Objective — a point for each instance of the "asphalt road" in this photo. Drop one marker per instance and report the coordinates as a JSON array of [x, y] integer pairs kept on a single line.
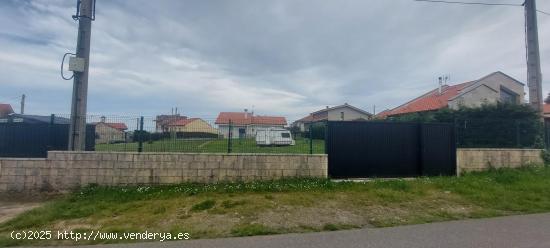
[[515, 231]]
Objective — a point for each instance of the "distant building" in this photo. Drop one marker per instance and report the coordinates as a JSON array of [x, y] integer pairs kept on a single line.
[[245, 124], [546, 114], [191, 125], [109, 132], [5, 110], [344, 112], [495, 87], [162, 121]]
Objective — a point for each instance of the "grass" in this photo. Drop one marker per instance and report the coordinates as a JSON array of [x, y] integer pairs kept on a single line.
[[215, 146], [204, 205], [284, 206]]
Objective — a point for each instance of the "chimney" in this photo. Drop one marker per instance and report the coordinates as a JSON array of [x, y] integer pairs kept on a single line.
[[440, 85], [327, 107], [245, 113], [103, 119]]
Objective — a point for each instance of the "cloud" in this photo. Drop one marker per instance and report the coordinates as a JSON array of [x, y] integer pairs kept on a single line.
[[279, 57]]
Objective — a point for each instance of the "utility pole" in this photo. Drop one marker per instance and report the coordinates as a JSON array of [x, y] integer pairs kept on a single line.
[[23, 104], [534, 74], [77, 130]]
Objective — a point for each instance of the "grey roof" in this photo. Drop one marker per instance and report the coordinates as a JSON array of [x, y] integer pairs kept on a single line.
[[345, 105]]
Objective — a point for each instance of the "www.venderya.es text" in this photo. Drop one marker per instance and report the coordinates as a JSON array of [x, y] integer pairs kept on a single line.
[[97, 235]]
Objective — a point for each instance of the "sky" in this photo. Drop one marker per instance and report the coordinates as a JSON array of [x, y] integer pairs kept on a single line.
[[276, 57]]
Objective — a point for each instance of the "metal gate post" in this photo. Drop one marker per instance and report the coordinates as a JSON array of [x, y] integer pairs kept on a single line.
[[50, 132], [230, 137], [140, 138], [310, 139]]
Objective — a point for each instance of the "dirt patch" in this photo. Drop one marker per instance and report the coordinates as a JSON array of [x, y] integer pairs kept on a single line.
[[315, 217], [9, 210]]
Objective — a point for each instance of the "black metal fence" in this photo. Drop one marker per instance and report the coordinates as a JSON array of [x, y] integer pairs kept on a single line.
[[175, 133], [163, 133], [28, 140], [500, 133]]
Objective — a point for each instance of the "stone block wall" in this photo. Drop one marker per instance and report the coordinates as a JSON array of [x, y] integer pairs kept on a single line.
[[478, 159], [67, 170]]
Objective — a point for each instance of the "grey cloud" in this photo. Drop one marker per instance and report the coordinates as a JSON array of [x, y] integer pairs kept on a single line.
[[284, 57]]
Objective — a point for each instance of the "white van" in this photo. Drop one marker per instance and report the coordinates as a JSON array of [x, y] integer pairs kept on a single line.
[[274, 137]]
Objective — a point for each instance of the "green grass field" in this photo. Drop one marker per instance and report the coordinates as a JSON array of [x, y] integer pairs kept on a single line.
[[214, 146], [285, 206]]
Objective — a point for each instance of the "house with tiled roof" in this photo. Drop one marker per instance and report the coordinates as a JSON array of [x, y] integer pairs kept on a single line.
[[546, 113], [5, 109], [191, 125], [110, 132], [493, 88], [246, 124], [344, 112]]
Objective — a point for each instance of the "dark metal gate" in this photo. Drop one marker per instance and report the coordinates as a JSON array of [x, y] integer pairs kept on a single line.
[[389, 149], [34, 140]]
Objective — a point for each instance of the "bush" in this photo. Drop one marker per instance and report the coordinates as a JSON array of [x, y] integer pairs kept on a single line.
[[318, 130], [545, 155], [491, 125]]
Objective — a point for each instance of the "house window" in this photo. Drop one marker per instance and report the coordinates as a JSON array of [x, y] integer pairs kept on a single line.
[[342, 115], [507, 96]]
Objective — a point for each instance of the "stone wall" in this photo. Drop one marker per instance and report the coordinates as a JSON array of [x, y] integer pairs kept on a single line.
[[478, 159], [63, 171]]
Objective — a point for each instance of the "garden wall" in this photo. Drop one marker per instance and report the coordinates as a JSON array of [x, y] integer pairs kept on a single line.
[[478, 159], [63, 171]]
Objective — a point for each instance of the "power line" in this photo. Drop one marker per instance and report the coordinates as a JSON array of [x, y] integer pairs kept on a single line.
[[9, 99], [479, 3], [470, 3]]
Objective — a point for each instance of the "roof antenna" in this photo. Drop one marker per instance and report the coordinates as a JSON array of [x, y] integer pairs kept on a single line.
[[440, 85]]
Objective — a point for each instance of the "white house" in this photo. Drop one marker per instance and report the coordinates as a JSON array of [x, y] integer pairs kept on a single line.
[[245, 124], [344, 112]]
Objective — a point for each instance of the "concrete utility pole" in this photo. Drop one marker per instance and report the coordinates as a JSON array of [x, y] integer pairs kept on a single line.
[[534, 74], [77, 130], [23, 104]]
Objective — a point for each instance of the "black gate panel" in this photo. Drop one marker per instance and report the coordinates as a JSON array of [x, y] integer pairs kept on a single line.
[[389, 149], [372, 149], [34, 140], [438, 149]]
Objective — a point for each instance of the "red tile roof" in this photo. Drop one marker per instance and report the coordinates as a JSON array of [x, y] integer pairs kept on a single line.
[[546, 108], [5, 109], [115, 125], [432, 100], [383, 114], [182, 122], [242, 118]]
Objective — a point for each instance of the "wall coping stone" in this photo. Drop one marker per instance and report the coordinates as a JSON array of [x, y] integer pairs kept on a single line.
[[498, 149], [23, 159], [185, 153]]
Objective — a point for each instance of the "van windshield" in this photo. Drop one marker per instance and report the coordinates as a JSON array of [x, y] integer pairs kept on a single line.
[[285, 135]]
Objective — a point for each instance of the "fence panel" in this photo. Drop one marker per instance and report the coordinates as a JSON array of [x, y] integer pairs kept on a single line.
[[372, 149], [389, 149], [34, 140], [438, 149]]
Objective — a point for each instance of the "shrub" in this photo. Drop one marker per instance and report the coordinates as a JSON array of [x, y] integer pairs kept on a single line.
[[545, 155]]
